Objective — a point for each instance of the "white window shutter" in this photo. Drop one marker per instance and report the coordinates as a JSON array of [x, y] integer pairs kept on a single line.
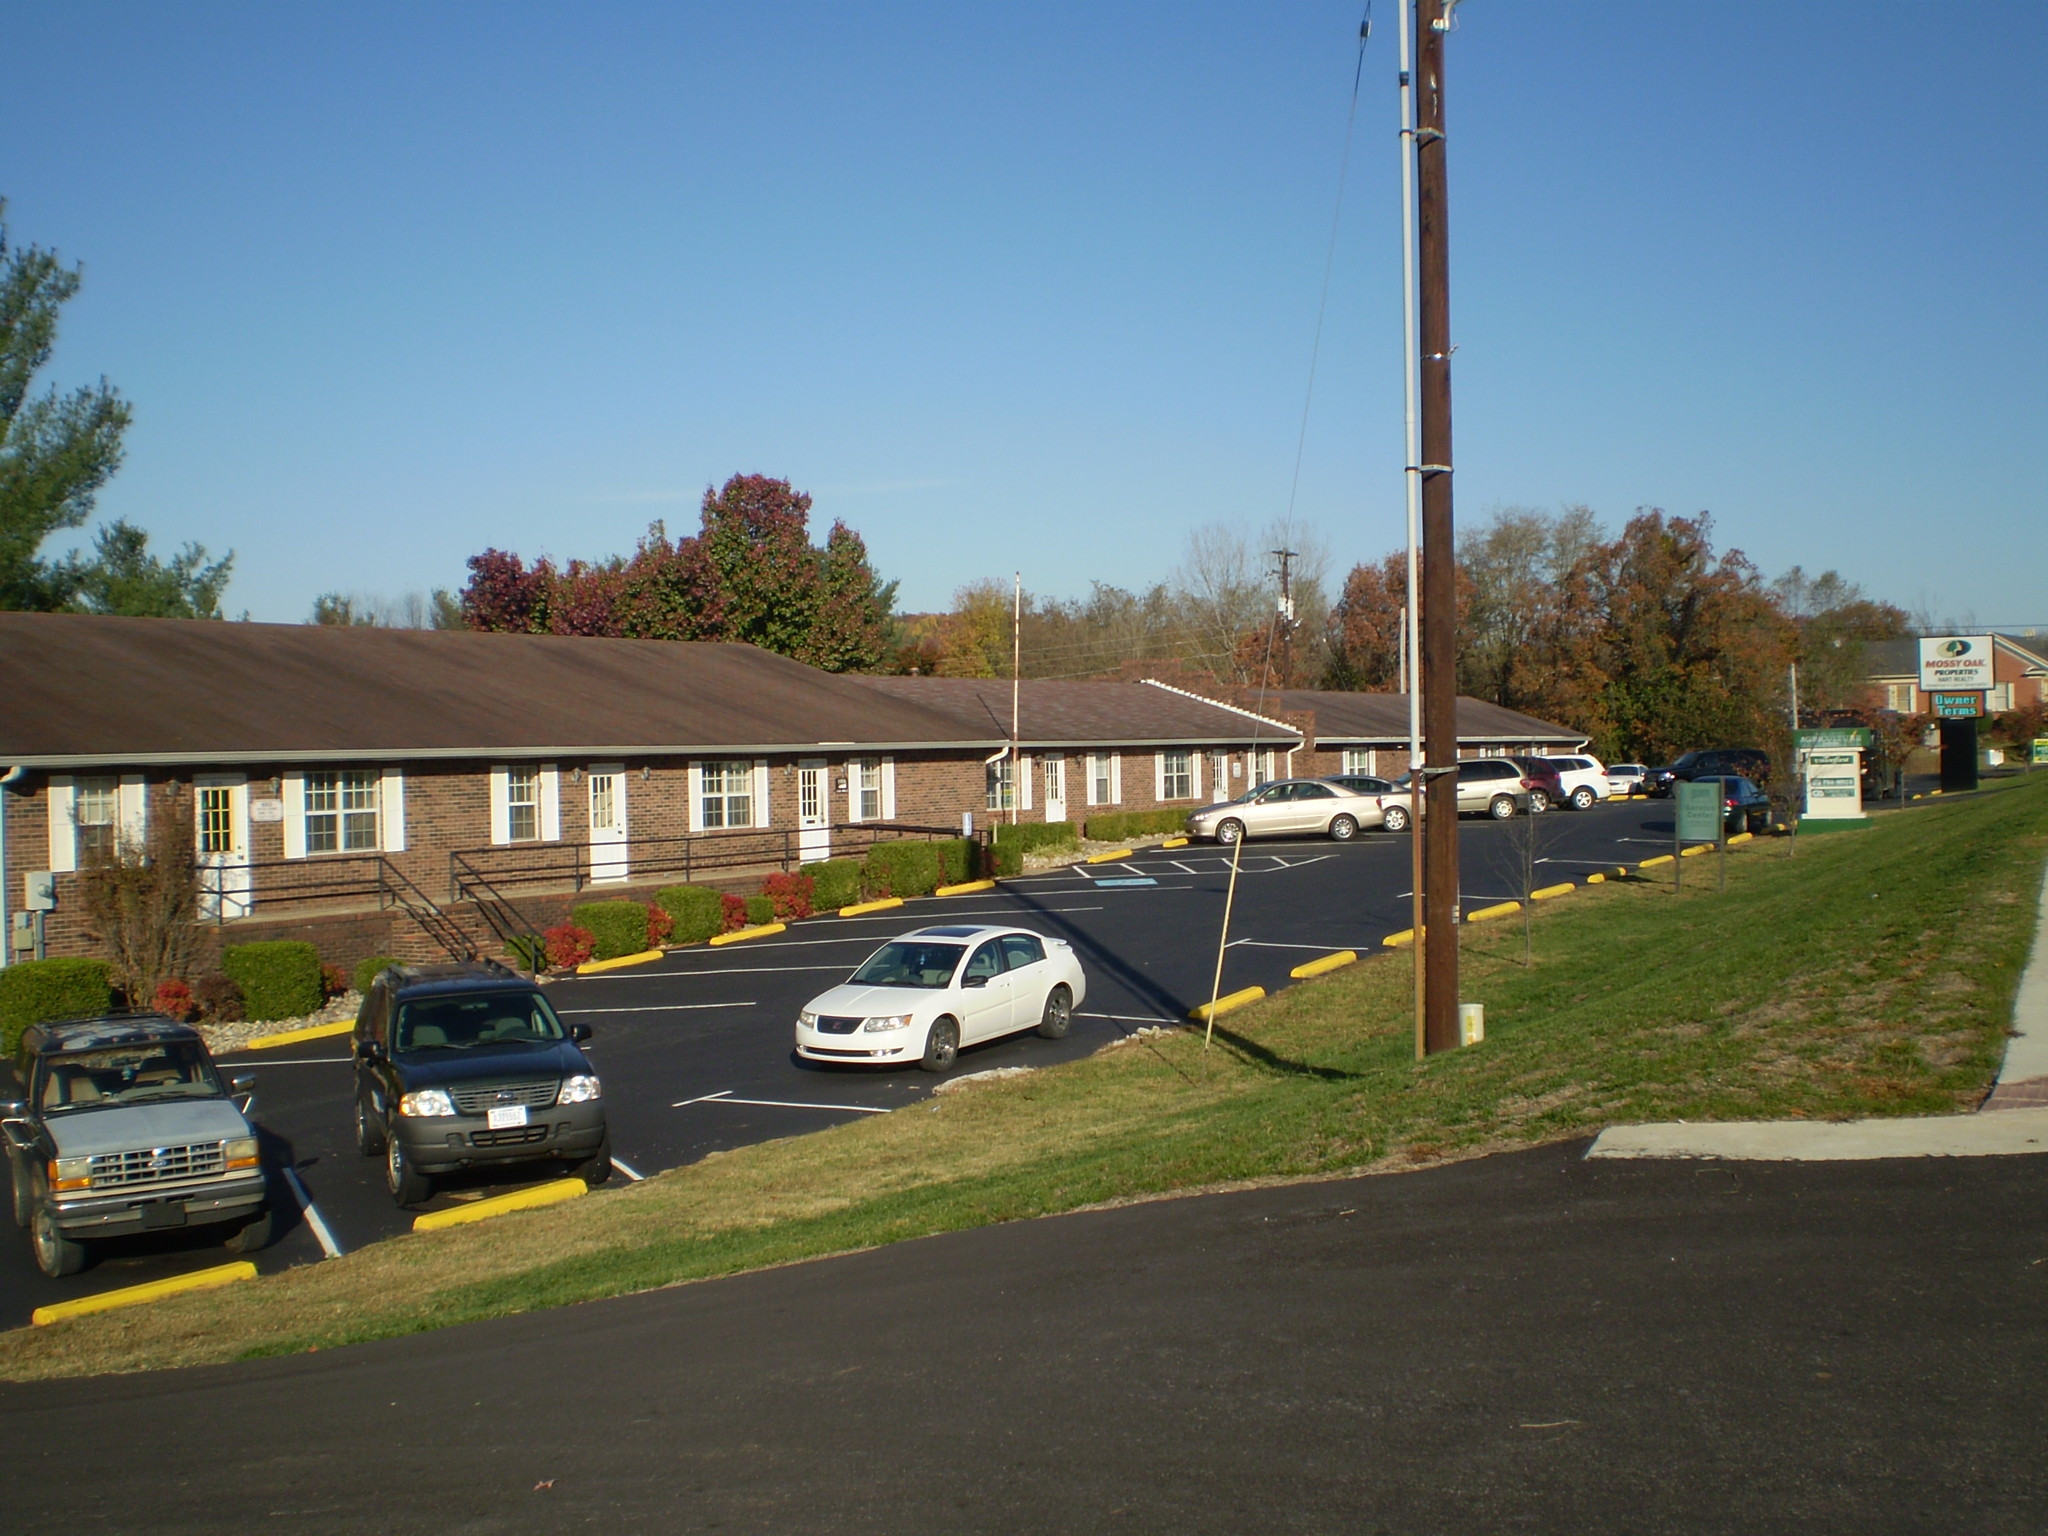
[[391, 809], [550, 803], [1195, 774], [134, 809], [293, 783], [1116, 778], [696, 797], [63, 828], [1026, 763], [888, 789], [1158, 775], [501, 816], [761, 817]]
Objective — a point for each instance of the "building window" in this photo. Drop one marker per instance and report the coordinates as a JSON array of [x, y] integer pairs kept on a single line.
[[867, 788], [1176, 775], [1102, 777], [727, 797], [216, 814], [96, 807], [1002, 784], [341, 812], [522, 805], [1997, 701]]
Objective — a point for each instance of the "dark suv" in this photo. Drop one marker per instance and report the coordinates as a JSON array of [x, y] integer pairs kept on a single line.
[[1716, 763], [125, 1126], [467, 1066]]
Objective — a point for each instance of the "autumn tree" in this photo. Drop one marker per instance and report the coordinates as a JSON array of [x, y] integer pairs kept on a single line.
[[1833, 624]]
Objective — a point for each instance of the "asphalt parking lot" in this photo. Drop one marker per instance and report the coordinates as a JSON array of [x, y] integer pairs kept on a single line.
[[695, 1050]]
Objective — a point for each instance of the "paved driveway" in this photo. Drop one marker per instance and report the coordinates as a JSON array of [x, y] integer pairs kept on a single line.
[[695, 1050]]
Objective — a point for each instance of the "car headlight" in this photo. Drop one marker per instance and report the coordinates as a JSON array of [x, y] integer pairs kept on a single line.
[[580, 1089], [240, 1152], [808, 1019], [427, 1102], [70, 1173], [887, 1021]]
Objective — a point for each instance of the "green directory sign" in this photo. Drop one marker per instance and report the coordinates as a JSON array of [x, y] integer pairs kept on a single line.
[[2041, 750], [1699, 810], [1842, 736]]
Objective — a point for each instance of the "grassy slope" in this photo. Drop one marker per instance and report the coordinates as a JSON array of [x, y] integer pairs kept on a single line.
[[1872, 974]]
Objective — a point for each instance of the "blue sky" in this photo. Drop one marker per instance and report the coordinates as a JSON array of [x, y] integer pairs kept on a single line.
[[1035, 286]]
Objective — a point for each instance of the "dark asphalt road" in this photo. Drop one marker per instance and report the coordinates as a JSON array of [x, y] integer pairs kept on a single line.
[[717, 1022], [1528, 1343]]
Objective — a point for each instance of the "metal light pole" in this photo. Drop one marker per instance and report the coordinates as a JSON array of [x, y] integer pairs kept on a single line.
[[1411, 649]]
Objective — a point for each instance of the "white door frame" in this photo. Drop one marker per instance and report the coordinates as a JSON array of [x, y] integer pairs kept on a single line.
[[234, 883], [607, 840], [1055, 787], [814, 810]]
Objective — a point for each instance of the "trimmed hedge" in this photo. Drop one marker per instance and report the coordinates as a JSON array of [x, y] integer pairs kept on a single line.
[[1029, 836], [696, 909], [620, 927], [369, 970], [1006, 857], [279, 978], [1118, 825], [760, 909], [38, 991], [903, 869], [835, 883]]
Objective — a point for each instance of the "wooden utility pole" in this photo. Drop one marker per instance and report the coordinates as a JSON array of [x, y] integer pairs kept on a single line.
[[1439, 557]]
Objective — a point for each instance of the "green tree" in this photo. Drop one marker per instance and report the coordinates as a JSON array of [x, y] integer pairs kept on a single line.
[[124, 577], [56, 449]]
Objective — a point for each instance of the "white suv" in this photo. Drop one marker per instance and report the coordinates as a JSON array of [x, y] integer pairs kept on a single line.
[[1584, 780]]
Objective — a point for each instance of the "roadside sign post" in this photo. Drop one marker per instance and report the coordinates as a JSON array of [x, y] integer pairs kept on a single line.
[[1721, 839], [1699, 806], [1831, 772]]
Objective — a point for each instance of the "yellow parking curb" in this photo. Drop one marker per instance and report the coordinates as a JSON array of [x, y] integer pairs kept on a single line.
[[132, 1295], [1224, 1004], [1325, 963], [1695, 850], [1104, 858], [1550, 891], [1596, 879], [294, 1036], [1499, 909], [965, 888], [1662, 858], [1396, 940], [551, 1193], [883, 905], [759, 931], [619, 962], [1175, 842], [1740, 837]]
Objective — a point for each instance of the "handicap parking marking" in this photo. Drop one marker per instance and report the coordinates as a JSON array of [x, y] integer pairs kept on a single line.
[[314, 1219], [1129, 880], [725, 1096], [632, 1173]]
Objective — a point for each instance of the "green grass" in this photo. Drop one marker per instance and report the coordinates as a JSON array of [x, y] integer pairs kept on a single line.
[[1862, 976]]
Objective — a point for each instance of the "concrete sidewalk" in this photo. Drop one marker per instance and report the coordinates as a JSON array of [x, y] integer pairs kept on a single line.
[[2017, 1122]]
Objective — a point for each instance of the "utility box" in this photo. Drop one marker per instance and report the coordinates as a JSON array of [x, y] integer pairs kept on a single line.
[[38, 891]]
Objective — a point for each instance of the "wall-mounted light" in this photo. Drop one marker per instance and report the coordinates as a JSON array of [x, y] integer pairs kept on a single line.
[[575, 775], [646, 773], [788, 770]]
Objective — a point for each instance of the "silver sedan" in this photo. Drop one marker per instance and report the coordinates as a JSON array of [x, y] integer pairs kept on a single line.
[[1288, 808]]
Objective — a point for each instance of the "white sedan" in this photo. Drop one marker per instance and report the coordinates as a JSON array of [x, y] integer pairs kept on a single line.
[[922, 997]]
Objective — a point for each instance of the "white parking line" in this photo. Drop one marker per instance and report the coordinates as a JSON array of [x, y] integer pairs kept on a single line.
[[293, 1061], [628, 1169], [314, 1220], [658, 1008], [1127, 1018], [724, 1096], [1269, 944], [735, 970]]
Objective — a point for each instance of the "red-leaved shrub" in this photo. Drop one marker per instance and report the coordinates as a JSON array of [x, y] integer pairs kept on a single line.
[[791, 895], [735, 910], [334, 980], [174, 1000], [569, 945], [660, 924]]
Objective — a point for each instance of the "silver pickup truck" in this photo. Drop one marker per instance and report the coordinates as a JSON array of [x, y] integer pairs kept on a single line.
[[125, 1126]]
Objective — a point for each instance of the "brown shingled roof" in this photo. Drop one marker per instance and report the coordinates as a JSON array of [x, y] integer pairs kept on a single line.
[[1347, 718], [78, 689], [1081, 714]]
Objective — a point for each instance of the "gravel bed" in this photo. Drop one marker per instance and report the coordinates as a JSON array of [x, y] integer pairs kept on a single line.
[[228, 1037]]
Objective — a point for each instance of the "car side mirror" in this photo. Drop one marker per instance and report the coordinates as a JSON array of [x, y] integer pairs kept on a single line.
[[973, 981], [370, 1050], [13, 1109], [19, 1131], [579, 1032]]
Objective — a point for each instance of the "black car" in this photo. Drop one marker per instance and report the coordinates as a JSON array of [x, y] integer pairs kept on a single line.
[[1712, 763], [1747, 808], [466, 1065]]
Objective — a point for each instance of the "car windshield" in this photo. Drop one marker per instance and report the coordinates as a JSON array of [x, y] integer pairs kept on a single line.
[[910, 963], [470, 1019], [129, 1074]]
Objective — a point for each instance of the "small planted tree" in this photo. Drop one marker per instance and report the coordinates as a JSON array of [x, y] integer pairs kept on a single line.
[[142, 901]]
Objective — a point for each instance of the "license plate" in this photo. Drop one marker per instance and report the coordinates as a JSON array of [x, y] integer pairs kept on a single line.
[[505, 1117], [164, 1213]]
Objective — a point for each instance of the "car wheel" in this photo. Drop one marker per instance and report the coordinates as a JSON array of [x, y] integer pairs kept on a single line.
[[1228, 832], [56, 1254], [1759, 821], [941, 1046], [1058, 1017], [1539, 801], [1583, 798], [1396, 819], [24, 1202], [1344, 828], [256, 1235], [369, 1132], [596, 1168], [407, 1184], [1503, 806]]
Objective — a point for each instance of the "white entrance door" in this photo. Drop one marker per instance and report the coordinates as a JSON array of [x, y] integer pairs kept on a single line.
[[1055, 789], [220, 831], [608, 822], [814, 823]]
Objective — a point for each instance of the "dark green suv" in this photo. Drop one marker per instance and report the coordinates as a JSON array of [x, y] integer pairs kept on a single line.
[[466, 1066]]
